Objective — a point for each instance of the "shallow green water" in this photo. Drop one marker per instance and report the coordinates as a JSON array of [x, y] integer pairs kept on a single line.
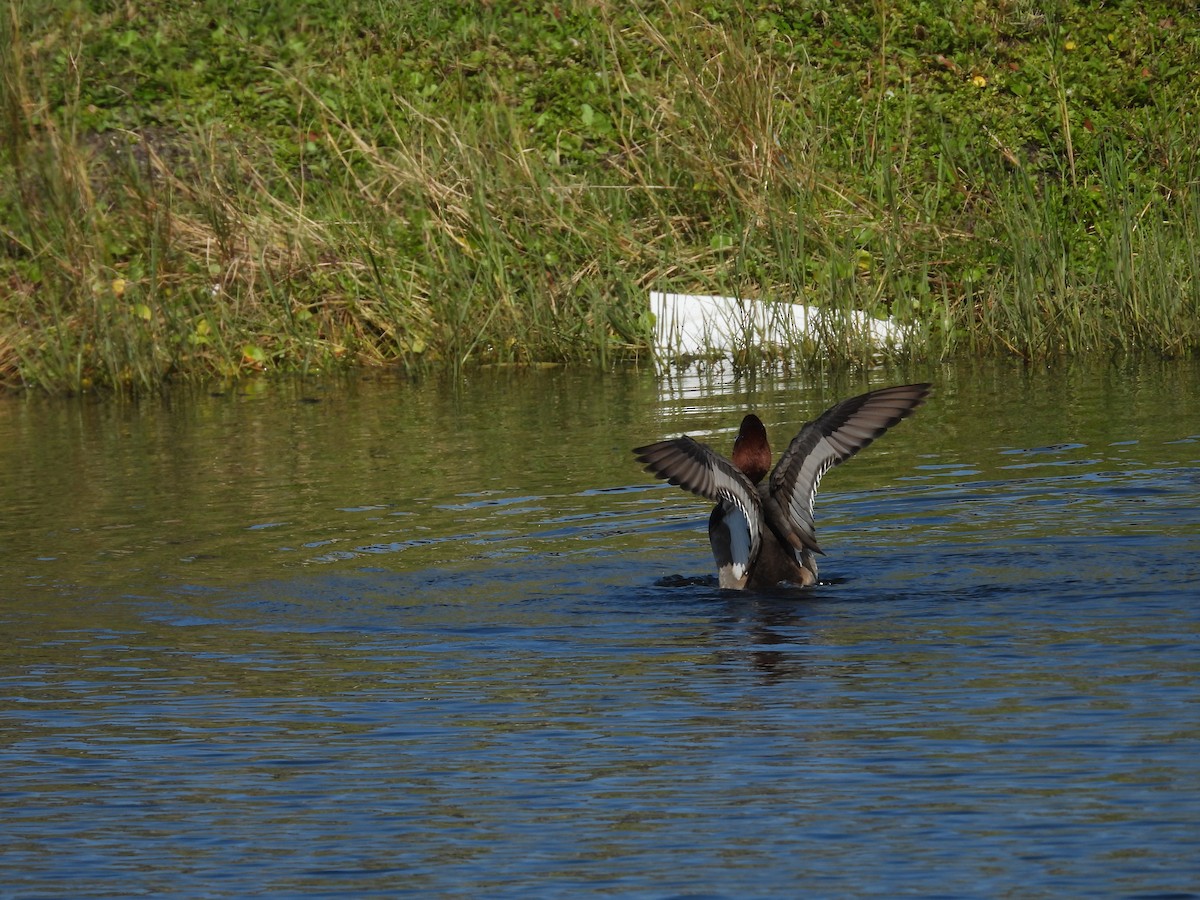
[[374, 638]]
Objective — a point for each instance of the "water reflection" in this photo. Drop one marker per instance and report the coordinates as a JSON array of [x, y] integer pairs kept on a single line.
[[447, 640]]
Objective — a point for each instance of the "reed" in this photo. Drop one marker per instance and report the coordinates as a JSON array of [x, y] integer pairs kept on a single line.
[[439, 187]]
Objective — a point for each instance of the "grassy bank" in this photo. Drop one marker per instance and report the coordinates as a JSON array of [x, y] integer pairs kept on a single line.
[[202, 188]]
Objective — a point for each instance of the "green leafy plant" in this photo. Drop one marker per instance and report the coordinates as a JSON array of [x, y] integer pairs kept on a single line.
[[189, 190]]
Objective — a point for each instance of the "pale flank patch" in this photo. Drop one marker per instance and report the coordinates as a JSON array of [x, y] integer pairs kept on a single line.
[[739, 541]]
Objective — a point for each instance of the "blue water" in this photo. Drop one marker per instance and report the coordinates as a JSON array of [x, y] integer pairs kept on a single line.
[[448, 640]]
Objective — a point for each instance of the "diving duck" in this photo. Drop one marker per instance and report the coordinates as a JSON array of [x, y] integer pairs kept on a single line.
[[763, 533]]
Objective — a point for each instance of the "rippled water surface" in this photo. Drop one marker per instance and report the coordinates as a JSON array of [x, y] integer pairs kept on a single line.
[[374, 638]]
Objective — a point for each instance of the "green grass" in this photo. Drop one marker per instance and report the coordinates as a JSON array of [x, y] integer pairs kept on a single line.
[[202, 189]]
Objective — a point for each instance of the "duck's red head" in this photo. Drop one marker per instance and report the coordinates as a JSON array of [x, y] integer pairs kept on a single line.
[[751, 452]]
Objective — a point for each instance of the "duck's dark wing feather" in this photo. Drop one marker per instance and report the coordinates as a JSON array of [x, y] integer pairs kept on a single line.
[[698, 468], [833, 437]]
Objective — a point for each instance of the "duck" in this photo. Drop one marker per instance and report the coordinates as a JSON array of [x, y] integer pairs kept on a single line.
[[762, 533]]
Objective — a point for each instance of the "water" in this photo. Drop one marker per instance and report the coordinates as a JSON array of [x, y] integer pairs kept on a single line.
[[370, 638]]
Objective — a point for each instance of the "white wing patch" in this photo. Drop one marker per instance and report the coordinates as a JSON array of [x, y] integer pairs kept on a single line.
[[835, 436]]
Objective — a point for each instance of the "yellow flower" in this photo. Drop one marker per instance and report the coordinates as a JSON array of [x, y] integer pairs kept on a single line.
[[118, 286], [1069, 45], [979, 81]]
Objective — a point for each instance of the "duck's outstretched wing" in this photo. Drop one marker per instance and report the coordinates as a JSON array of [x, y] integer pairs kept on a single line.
[[698, 468], [833, 437]]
